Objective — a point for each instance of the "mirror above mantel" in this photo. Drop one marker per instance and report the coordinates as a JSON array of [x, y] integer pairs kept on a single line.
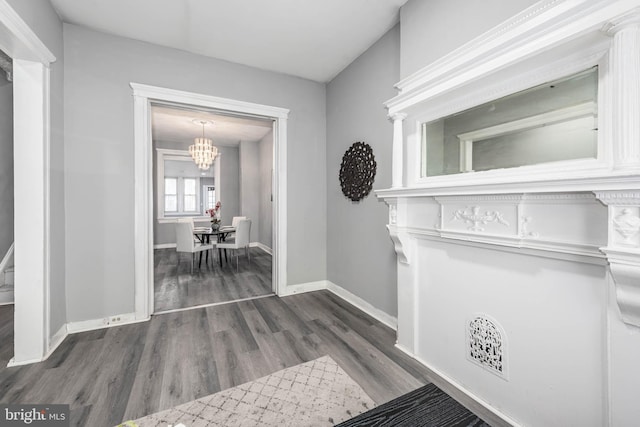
[[556, 121]]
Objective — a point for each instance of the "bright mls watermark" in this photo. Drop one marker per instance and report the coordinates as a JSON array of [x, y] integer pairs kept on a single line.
[[34, 415]]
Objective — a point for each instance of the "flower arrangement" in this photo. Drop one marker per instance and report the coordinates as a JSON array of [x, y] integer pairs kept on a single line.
[[214, 213]]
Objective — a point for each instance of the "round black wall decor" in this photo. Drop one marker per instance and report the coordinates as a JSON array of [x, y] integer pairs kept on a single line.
[[357, 171]]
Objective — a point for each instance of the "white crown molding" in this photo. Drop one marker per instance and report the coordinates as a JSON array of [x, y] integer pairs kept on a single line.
[[24, 43], [535, 30]]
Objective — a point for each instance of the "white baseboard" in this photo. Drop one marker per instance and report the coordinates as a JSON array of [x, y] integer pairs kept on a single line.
[[12, 363], [6, 258], [303, 287], [105, 322], [352, 299], [164, 246], [56, 340], [363, 305], [262, 246], [7, 297], [481, 408]]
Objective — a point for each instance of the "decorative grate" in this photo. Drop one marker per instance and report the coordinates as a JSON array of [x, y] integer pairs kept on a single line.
[[486, 345]]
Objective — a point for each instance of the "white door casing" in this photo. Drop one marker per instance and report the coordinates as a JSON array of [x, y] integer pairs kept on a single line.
[[144, 95]]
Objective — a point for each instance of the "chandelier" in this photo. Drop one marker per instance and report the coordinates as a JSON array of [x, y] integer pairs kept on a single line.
[[202, 150]]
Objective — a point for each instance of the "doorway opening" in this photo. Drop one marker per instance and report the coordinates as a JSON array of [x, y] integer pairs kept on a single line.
[[211, 198], [146, 98], [6, 209]]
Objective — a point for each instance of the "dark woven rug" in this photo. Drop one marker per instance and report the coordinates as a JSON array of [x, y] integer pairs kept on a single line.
[[426, 406]]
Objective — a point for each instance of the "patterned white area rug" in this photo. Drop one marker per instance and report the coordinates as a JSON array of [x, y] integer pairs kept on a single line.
[[316, 393]]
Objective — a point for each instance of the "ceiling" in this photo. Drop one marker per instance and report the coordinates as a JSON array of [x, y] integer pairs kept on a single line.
[[175, 124], [312, 39]]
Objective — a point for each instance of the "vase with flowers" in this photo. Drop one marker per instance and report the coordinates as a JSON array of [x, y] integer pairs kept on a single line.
[[214, 213]]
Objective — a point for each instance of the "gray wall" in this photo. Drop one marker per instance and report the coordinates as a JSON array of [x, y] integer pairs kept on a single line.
[[6, 164], [256, 162], [44, 21], [250, 185], [432, 29], [265, 219], [229, 187], [360, 254], [99, 158]]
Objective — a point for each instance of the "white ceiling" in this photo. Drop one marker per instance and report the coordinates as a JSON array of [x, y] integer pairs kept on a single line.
[[313, 39], [176, 124]]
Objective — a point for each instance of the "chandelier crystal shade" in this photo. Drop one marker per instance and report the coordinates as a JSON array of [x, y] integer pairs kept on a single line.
[[202, 150]]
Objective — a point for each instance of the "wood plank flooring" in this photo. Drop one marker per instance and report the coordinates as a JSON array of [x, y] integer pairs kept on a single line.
[[111, 375], [176, 288]]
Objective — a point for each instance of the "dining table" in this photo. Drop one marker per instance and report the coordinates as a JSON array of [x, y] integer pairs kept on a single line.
[[203, 234]]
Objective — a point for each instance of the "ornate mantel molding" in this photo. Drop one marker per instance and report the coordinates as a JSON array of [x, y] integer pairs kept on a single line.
[[623, 250]]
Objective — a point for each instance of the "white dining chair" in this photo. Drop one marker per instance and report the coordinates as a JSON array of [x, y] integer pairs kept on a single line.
[[240, 241], [185, 242], [234, 224]]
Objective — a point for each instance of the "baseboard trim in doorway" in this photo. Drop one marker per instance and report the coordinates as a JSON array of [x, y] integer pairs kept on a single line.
[[164, 246], [54, 343], [56, 340], [262, 246], [301, 288], [105, 322], [213, 304]]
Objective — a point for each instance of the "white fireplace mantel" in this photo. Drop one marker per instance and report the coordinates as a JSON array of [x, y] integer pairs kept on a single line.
[[545, 257], [549, 40]]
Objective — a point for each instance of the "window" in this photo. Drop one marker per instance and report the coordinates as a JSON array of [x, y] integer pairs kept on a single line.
[[189, 195], [209, 196], [171, 195], [180, 195]]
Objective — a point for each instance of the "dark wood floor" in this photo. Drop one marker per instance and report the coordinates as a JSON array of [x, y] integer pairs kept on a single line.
[[177, 288], [125, 372]]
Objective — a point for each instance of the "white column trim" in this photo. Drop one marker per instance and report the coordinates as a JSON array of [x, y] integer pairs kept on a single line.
[[398, 150], [624, 65], [31, 207]]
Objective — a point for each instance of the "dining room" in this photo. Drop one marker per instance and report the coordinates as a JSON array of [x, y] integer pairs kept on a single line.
[[213, 207]]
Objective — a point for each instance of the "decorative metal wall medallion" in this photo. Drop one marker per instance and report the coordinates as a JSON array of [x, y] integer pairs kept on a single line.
[[486, 345], [477, 219], [357, 171]]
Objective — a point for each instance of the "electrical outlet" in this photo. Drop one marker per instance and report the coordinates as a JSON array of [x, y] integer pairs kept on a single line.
[[115, 319]]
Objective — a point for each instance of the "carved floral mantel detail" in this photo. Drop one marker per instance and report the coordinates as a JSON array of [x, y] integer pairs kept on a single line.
[[627, 224], [524, 228], [477, 219]]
